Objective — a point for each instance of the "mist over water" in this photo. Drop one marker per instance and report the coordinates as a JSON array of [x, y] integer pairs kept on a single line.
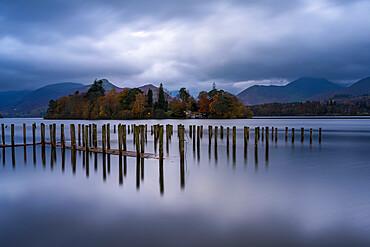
[[291, 194]]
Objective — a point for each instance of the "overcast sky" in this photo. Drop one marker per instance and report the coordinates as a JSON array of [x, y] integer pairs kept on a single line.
[[191, 43]]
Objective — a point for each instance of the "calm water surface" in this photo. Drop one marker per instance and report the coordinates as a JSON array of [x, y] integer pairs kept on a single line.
[[296, 194]]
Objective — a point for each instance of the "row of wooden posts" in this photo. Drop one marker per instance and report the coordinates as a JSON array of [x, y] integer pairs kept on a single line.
[[88, 139]]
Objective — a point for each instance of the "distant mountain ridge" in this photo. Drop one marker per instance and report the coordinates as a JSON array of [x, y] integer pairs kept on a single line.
[[296, 91], [35, 103]]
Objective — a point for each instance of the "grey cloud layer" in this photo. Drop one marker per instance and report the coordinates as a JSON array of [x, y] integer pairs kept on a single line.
[[182, 43]]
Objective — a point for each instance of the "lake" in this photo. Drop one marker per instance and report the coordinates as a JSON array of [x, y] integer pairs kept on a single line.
[[296, 194]]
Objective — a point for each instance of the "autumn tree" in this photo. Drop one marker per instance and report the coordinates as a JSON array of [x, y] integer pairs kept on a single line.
[[203, 102], [139, 106]]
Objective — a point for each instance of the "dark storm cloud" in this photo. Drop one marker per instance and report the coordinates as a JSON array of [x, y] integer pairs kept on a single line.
[[182, 43]]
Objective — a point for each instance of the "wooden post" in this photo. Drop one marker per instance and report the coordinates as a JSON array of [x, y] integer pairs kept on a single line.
[[124, 137], [24, 134], [292, 134], [216, 133], [12, 134], [255, 137], [114, 129], [119, 140], [51, 134], [302, 134], [142, 138], [161, 142], [95, 135], [3, 133], [54, 134], [103, 136], [272, 133], [73, 136], [108, 136], [62, 137], [136, 132], [234, 136], [86, 140], [267, 136], [43, 134], [222, 132], [190, 130], [83, 135], [263, 133], [209, 135], [276, 134], [79, 134], [286, 134], [34, 134], [227, 136], [310, 136], [245, 137], [247, 133], [320, 135], [181, 141], [201, 131]]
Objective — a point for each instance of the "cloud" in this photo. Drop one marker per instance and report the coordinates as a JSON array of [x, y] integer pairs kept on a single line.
[[182, 43]]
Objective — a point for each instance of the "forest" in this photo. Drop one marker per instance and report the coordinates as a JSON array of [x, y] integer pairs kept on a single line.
[[133, 103], [333, 107]]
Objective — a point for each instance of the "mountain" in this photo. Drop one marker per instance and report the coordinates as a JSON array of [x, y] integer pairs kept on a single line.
[[11, 97], [296, 91], [361, 87], [35, 103]]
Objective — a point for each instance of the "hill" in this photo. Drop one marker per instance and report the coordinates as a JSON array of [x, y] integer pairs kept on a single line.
[[35, 103], [359, 88], [9, 98], [296, 91]]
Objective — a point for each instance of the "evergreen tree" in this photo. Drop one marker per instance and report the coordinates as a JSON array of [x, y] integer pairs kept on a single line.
[[161, 103], [150, 98]]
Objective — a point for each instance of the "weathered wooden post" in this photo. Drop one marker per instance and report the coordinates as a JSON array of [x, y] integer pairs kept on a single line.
[[73, 136], [227, 137], [124, 138], [3, 133], [86, 141], [310, 136], [302, 134], [42, 129], [62, 137], [320, 135], [120, 141], [201, 131], [292, 134], [114, 129], [12, 134], [54, 135], [263, 133], [24, 134], [136, 132], [181, 141], [161, 142], [216, 133], [95, 134], [83, 135], [79, 134], [108, 136], [222, 132], [51, 134], [267, 136], [209, 135], [103, 137], [272, 133], [34, 134], [245, 137], [286, 134], [234, 137], [255, 137], [276, 134], [190, 130]]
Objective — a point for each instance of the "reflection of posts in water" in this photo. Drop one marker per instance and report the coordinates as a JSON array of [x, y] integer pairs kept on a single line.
[[227, 141], [34, 155], [267, 154], [13, 157], [245, 154], [120, 176], [87, 164], [3, 156], [25, 154], [73, 161], [63, 152], [104, 168], [52, 158], [182, 157], [256, 156], [161, 177], [43, 158]]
